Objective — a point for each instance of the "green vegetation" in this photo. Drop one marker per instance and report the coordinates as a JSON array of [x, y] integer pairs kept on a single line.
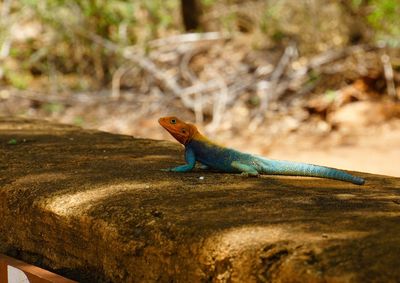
[[62, 29], [78, 121], [12, 142], [385, 20], [53, 107]]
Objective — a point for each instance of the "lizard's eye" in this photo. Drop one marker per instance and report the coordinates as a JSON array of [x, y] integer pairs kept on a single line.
[[173, 121]]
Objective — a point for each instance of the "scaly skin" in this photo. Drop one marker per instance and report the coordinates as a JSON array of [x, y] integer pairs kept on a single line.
[[199, 148]]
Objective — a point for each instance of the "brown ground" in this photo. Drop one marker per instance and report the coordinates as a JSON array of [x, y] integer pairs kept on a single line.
[[95, 207]]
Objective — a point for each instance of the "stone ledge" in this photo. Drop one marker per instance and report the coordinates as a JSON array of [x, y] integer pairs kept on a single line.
[[95, 207]]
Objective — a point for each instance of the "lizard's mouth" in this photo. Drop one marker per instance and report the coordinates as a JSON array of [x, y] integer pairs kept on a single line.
[[183, 139]]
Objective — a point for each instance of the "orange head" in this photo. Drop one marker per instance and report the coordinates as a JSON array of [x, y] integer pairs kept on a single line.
[[180, 130]]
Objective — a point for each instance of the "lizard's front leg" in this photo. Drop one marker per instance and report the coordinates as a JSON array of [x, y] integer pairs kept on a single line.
[[190, 160], [247, 170]]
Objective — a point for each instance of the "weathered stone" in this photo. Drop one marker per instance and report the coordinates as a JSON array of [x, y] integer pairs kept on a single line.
[[95, 207]]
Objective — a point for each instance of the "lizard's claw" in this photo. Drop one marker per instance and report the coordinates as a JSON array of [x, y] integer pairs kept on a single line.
[[247, 174]]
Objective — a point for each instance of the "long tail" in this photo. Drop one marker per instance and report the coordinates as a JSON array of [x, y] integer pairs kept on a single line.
[[281, 167]]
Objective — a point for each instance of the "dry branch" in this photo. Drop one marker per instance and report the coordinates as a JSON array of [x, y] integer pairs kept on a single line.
[[388, 72], [168, 63], [173, 41], [116, 80], [271, 89]]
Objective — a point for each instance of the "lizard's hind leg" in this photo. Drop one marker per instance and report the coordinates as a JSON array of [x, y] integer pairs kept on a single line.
[[203, 166], [247, 170]]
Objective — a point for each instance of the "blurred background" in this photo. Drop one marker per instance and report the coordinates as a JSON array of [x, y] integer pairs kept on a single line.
[[316, 81]]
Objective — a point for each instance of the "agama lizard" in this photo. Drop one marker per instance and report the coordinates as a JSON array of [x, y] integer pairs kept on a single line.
[[209, 154]]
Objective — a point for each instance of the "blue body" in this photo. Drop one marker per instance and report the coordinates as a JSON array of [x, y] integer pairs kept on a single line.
[[233, 161], [217, 157]]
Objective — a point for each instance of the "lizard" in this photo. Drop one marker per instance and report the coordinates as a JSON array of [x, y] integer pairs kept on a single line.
[[199, 148]]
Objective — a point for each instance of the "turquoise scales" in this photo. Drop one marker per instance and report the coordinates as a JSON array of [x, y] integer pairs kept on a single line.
[[200, 149]]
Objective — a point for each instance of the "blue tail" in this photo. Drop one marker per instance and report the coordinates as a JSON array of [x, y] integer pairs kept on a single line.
[[281, 167]]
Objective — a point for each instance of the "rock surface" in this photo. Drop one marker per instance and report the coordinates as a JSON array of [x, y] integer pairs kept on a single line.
[[95, 207]]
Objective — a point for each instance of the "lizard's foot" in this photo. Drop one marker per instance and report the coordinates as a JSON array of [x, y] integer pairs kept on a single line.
[[204, 167], [246, 170], [247, 174]]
